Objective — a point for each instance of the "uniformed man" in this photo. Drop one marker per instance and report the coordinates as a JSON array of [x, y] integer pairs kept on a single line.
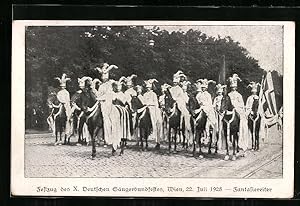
[[63, 97], [205, 101], [150, 99], [238, 103], [178, 95], [105, 95], [217, 107]]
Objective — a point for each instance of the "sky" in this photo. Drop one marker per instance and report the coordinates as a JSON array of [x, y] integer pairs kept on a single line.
[[264, 43]]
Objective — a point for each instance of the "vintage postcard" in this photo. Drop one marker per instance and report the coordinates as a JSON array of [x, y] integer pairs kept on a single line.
[[153, 109]]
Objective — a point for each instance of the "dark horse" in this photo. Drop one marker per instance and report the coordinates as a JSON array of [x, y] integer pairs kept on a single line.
[[143, 121], [57, 116], [254, 119], [78, 116], [173, 116], [94, 119], [199, 120], [231, 123]]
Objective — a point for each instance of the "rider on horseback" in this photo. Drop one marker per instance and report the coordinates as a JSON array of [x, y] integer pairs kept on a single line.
[[238, 103], [205, 101], [63, 97], [252, 97], [178, 95]]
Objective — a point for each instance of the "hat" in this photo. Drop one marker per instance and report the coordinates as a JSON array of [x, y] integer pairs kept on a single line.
[[233, 80], [105, 69], [179, 76], [139, 87], [120, 81], [165, 86], [81, 81], [150, 82], [203, 83], [253, 86], [63, 80], [220, 88], [129, 79]]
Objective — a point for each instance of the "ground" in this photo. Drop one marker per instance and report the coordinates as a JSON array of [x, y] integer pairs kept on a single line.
[[43, 159]]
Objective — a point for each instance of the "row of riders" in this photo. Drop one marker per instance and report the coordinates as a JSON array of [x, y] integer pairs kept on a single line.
[[101, 108]]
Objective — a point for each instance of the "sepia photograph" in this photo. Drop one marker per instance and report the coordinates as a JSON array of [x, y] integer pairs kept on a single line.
[[205, 105]]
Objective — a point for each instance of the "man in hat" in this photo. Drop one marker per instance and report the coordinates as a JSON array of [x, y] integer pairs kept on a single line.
[[205, 101], [178, 95], [105, 95], [63, 97], [150, 99], [252, 97], [238, 103], [217, 107]]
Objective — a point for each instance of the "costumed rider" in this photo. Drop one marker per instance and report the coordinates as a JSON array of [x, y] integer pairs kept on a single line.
[[252, 97], [121, 101], [217, 106], [105, 95], [151, 101], [161, 101], [205, 101], [63, 97], [178, 95], [238, 103], [130, 92]]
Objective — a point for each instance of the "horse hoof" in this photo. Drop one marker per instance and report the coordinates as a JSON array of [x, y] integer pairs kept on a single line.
[[56, 143], [201, 156], [226, 157], [105, 146], [233, 158], [252, 150], [92, 157], [78, 144]]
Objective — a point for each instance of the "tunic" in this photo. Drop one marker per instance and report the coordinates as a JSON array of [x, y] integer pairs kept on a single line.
[[181, 99], [249, 103], [238, 103], [150, 99], [217, 107], [63, 97], [111, 115]]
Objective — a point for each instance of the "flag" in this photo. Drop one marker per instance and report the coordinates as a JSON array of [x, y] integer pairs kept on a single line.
[[267, 101]]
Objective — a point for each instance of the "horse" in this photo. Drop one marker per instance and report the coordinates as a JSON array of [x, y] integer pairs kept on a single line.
[[143, 121], [254, 119], [93, 115], [78, 117], [199, 122], [57, 118], [231, 123], [173, 116]]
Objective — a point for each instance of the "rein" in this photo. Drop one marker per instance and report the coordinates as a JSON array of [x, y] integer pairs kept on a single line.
[[92, 110], [254, 123], [228, 122], [59, 110]]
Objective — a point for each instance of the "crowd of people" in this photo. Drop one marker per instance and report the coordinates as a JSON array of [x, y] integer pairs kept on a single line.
[[109, 91]]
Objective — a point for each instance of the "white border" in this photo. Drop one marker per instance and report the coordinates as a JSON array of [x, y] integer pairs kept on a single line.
[[281, 188]]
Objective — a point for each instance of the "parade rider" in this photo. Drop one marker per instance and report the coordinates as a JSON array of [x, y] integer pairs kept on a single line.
[[217, 106], [205, 101], [63, 97], [252, 97], [150, 99], [130, 92], [177, 94], [238, 103], [161, 101], [105, 95]]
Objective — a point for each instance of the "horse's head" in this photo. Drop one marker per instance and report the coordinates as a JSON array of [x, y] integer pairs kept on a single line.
[[169, 102], [226, 104], [87, 99], [255, 104], [136, 103]]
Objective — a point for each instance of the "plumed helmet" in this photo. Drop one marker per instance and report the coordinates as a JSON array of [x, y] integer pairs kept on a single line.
[[253, 86], [63, 80], [233, 80], [165, 86], [149, 83], [220, 88], [129, 79], [82, 81], [179, 76]]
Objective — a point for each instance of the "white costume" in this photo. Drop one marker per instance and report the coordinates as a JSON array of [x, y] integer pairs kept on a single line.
[[238, 103], [63, 97], [111, 116], [182, 99], [150, 99]]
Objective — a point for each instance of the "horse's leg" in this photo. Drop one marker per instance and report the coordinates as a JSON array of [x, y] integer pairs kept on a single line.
[[93, 138], [226, 144], [257, 137], [56, 133], [147, 133], [142, 134], [122, 146], [210, 140], [200, 150], [234, 145], [169, 139], [175, 139]]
